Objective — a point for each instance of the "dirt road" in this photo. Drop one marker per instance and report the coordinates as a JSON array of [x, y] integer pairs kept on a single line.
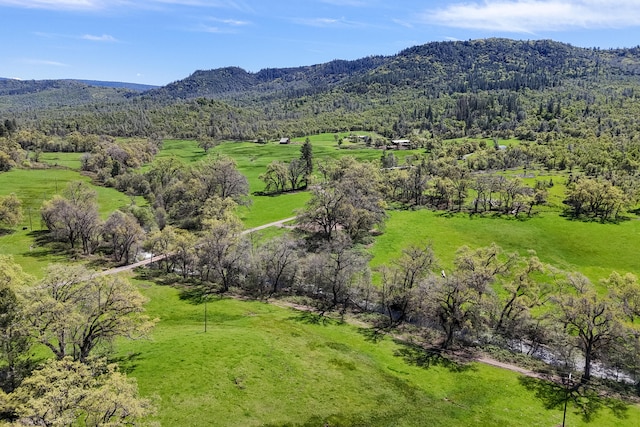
[[147, 261]]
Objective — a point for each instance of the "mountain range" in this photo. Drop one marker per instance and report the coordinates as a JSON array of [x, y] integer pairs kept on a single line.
[[447, 88]]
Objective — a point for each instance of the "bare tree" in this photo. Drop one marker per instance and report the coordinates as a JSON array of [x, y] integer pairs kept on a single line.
[[222, 255], [324, 211], [400, 280], [452, 303], [524, 291], [124, 233], [330, 274], [74, 216], [277, 264], [219, 176]]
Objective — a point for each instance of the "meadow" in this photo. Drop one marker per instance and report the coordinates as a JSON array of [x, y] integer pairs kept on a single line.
[[261, 364], [33, 186], [592, 248]]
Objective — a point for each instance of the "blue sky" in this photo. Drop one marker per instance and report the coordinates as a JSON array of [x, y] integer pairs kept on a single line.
[[160, 41]]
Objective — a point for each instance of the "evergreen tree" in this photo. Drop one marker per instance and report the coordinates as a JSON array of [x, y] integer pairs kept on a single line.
[[306, 155]]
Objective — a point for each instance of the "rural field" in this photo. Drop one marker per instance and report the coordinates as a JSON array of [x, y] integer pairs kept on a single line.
[[261, 364]]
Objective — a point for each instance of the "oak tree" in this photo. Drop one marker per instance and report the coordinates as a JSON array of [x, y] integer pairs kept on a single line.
[[72, 311]]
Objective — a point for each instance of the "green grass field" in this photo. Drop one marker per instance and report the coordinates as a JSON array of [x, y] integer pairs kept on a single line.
[[592, 248], [252, 158], [67, 160], [261, 365], [33, 186]]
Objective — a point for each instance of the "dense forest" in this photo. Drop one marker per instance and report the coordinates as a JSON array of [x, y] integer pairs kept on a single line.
[[496, 87]]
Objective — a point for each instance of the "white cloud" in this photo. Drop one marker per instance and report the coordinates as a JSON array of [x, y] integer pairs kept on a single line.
[[44, 62], [111, 4], [56, 4], [402, 23], [327, 22], [102, 38], [230, 22], [352, 3], [530, 16]]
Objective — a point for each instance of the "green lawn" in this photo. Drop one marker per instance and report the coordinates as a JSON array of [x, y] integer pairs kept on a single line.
[[261, 365]]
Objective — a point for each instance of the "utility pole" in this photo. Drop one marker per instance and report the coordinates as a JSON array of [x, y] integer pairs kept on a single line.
[[566, 399], [206, 297]]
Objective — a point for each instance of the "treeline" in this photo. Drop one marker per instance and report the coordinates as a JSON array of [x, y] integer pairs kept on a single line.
[[501, 88], [75, 315], [186, 197], [465, 176], [487, 297]]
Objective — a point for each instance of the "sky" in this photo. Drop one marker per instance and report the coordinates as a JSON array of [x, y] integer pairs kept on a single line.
[[160, 41]]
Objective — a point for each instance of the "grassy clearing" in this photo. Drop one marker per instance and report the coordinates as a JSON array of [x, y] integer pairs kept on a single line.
[[266, 209], [259, 364], [184, 150], [66, 160], [589, 247], [252, 158], [33, 186]]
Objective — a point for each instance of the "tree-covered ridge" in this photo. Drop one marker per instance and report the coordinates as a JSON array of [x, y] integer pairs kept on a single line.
[[36, 95], [439, 67], [496, 87]]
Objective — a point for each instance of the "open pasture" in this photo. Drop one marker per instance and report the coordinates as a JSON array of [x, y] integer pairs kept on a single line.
[[33, 186], [252, 158], [261, 365], [59, 159], [592, 248]]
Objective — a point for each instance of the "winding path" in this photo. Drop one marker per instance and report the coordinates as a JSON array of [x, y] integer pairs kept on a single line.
[[482, 359], [147, 261]]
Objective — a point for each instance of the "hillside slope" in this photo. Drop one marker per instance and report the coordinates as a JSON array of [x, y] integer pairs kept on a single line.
[[500, 87]]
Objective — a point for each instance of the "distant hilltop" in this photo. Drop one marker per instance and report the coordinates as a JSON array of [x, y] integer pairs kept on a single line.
[[138, 87]]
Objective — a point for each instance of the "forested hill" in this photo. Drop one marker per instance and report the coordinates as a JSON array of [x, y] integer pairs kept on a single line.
[[18, 95], [499, 87], [224, 82], [439, 66]]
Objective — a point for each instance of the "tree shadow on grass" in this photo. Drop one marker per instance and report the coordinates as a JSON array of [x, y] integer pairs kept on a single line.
[[45, 246], [6, 231], [374, 334], [311, 318], [127, 364], [583, 400], [426, 358], [199, 294]]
